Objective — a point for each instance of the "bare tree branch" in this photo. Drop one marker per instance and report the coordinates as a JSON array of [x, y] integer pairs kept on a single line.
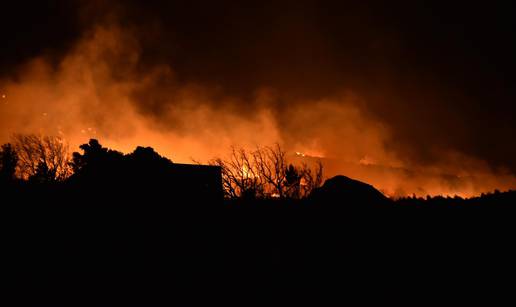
[[265, 172], [45, 157]]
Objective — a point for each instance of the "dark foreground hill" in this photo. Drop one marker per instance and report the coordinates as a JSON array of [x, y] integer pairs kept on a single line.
[[66, 247], [349, 192]]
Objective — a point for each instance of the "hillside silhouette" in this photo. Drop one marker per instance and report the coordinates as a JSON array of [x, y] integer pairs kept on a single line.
[[138, 229], [342, 189]]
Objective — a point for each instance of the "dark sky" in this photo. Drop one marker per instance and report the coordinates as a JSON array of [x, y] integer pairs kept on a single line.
[[441, 74]]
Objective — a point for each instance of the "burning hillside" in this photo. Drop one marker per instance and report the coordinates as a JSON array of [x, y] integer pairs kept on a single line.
[[130, 82]]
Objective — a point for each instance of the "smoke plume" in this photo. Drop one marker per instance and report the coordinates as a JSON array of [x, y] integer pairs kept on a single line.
[[108, 86]]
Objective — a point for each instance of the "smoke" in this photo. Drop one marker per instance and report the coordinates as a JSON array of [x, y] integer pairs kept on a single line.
[[105, 87], [99, 90]]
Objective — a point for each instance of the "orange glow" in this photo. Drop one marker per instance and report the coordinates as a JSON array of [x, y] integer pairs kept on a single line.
[[85, 97], [248, 173]]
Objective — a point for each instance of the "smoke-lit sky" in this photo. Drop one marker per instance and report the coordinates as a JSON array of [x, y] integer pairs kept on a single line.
[[420, 84]]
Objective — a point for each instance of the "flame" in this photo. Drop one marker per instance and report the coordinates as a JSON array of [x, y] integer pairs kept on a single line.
[[98, 90], [248, 173]]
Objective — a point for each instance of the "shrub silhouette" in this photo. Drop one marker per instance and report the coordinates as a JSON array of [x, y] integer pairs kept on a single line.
[[8, 162]]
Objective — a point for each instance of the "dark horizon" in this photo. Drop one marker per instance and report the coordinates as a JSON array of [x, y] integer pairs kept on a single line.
[[136, 229]]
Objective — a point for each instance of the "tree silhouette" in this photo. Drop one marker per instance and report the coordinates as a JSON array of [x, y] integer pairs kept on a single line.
[[239, 175], [43, 174], [264, 173], [8, 162], [293, 181], [148, 158], [44, 158], [97, 163], [270, 163], [311, 178], [94, 157]]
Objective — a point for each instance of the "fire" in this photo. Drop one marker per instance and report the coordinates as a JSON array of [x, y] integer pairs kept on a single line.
[[248, 173], [84, 97]]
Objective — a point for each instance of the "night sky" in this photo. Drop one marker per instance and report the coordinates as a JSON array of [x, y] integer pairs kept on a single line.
[[440, 75]]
